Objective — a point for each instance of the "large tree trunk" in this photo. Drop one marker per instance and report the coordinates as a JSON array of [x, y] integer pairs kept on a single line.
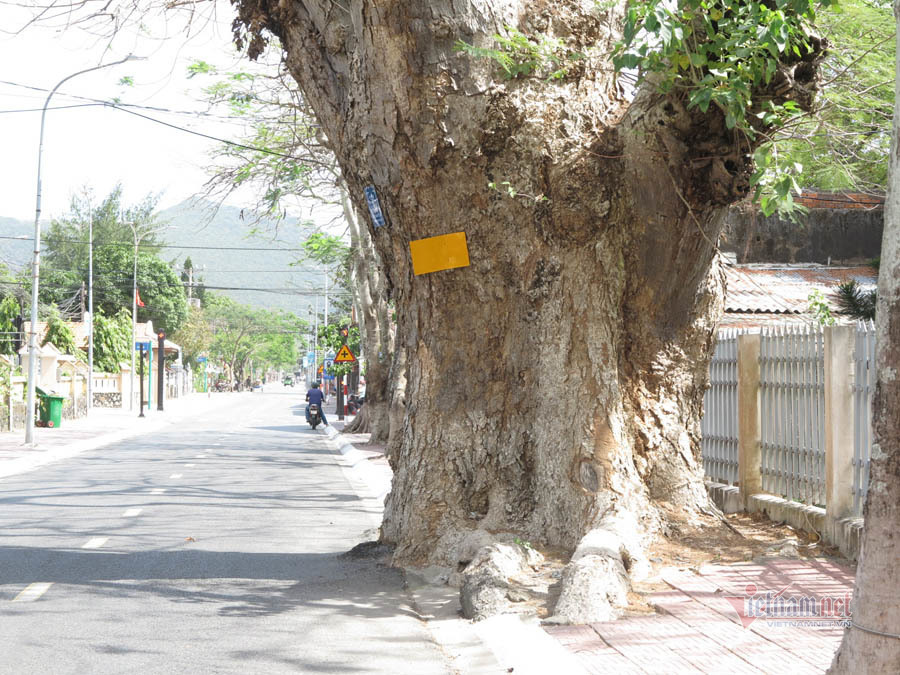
[[556, 383], [872, 643]]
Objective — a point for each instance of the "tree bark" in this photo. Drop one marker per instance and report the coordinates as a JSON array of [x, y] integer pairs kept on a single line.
[[872, 643], [371, 293], [556, 381]]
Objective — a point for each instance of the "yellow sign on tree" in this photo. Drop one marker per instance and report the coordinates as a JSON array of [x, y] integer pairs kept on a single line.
[[344, 355], [434, 254]]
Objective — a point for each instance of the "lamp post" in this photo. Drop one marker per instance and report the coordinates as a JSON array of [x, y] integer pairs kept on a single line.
[[35, 266]]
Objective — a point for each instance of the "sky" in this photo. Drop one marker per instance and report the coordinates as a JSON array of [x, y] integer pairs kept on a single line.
[[101, 146]]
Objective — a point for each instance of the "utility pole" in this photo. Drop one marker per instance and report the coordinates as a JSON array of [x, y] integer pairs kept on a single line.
[[90, 387], [190, 284]]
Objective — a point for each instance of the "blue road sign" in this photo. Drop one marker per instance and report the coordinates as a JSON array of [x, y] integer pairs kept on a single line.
[[137, 345], [374, 206], [202, 359]]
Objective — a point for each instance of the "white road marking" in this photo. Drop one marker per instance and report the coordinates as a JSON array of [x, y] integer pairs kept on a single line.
[[131, 513], [176, 475], [96, 542], [189, 465], [157, 491], [32, 592], [200, 457]]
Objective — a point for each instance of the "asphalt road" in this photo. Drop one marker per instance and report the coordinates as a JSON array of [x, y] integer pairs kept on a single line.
[[213, 548]]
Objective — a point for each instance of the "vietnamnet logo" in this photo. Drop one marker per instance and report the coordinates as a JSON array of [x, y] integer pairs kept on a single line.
[[777, 608]]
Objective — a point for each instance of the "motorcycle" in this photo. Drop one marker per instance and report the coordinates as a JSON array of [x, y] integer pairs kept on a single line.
[[315, 418]]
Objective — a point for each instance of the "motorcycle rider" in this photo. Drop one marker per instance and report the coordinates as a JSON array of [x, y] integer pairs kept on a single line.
[[317, 397]]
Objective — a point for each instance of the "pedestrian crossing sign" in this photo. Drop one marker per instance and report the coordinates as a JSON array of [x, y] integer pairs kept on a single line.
[[344, 355]]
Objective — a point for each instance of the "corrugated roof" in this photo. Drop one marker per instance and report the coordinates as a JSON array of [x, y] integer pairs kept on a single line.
[[785, 289]]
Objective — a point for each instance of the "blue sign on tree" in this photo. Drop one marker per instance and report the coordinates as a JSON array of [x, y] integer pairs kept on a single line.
[[374, 206]]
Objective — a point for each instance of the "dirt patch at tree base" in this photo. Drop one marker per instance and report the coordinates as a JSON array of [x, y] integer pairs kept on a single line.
[[746, 537]]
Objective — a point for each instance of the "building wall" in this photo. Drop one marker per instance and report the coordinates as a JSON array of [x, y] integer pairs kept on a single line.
[[848, 230]]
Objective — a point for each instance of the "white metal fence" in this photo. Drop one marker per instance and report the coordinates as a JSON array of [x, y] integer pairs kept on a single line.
[[792, 413], [792, 423], [863, 388], [719, 425]]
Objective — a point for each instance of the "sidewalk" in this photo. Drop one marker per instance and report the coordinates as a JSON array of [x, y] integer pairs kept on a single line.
[[699, 621], [102, 427]]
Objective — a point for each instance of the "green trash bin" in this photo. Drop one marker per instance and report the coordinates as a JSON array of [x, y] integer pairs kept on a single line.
[[50, 408]]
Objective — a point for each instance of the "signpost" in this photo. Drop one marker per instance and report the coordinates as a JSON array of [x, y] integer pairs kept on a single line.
[[142, 347], [344, 355], [204, 360], [161, 381]]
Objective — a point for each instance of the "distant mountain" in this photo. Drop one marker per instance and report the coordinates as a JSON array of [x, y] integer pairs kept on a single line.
[[15, 254], [219, 233], [217, 240]]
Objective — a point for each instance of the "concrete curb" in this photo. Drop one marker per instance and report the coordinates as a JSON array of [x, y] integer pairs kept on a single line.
[[845, 533], [359, 463], [502, 644]]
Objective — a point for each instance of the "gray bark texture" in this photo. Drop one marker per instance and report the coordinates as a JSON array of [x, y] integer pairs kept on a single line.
[[557, 381], [872, 644], [377, 333]]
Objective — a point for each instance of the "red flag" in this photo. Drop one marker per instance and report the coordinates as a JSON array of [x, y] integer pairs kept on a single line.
[[137, 297]]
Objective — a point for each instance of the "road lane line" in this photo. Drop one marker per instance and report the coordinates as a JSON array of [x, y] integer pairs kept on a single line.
[[32, 592], [96, 542], [131, 513], [189, 465], [157, 491], [200, 457], [176, 475]]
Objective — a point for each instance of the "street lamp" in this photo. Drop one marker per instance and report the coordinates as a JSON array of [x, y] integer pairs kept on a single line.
[[35, 266]]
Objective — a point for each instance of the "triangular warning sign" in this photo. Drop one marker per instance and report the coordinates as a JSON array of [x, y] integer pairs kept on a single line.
[[344, 355]]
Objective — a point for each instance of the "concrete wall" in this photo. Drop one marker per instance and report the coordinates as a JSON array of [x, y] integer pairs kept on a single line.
[[107, 399], [18, 416], [844, 234]]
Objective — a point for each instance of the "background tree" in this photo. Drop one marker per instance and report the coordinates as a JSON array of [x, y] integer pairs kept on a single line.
[[195, 335], [66, 270], [241, 333], [60, 334], [843, 141], [9, 311], [112, 340]]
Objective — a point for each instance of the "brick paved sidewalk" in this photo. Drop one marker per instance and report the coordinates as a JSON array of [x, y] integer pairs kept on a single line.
[[698, 630]]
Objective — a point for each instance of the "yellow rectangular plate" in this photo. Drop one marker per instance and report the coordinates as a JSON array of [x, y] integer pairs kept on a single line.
[[444, 252]]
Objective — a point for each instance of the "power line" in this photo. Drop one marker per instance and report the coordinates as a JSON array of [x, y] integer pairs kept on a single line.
[[130, 244], [101, 285]]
